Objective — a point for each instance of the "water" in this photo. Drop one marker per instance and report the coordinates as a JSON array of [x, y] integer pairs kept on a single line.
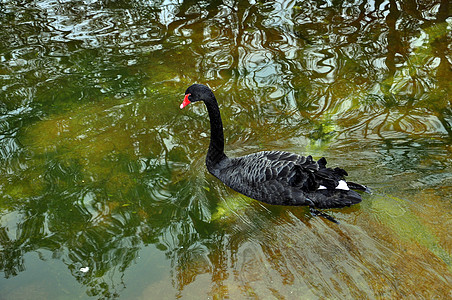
[[103, 188]]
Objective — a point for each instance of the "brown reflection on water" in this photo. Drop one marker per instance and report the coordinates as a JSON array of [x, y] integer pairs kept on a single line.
[[286, 257]]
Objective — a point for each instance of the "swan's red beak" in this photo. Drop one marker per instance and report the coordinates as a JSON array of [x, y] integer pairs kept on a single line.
[[186, 101]]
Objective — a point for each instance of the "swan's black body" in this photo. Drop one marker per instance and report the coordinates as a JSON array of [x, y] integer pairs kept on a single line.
[[273, 177]]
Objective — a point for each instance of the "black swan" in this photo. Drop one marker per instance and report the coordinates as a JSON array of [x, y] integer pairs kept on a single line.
[[273, 177]]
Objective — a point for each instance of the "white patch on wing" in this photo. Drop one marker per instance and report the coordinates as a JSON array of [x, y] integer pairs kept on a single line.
[[321, 187], [342, 185]]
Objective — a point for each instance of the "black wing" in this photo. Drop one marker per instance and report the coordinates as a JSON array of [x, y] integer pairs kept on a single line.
[[271, 170]]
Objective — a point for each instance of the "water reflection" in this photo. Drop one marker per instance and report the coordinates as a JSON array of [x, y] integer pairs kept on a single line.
[[98, 166]]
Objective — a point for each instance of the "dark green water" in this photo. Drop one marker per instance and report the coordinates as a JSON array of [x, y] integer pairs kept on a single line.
[[103, 188]]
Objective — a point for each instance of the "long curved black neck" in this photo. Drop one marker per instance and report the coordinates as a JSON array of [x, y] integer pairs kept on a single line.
[[215, 154]]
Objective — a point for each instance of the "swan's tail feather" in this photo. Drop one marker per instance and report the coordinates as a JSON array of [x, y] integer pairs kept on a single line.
[[328, 178], [329, 188], [358, 187]]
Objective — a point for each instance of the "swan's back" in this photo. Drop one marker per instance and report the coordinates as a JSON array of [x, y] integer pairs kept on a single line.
[[284, 178]]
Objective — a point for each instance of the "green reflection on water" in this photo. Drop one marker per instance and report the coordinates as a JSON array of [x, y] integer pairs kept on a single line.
[[393, 212], [100, 169]]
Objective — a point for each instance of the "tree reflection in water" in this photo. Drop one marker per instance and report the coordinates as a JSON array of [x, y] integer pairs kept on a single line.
[[97, 163]]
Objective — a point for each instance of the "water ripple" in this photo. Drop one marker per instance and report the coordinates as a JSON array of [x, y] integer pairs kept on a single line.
[[98, 163]]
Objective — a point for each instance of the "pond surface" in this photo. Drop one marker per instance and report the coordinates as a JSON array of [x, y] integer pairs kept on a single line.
[[103, 188]]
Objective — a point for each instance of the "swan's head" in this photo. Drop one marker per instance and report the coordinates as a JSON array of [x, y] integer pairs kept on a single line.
[[197, 92]]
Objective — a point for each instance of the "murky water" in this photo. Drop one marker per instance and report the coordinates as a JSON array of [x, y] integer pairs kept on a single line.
[[103, 188]]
